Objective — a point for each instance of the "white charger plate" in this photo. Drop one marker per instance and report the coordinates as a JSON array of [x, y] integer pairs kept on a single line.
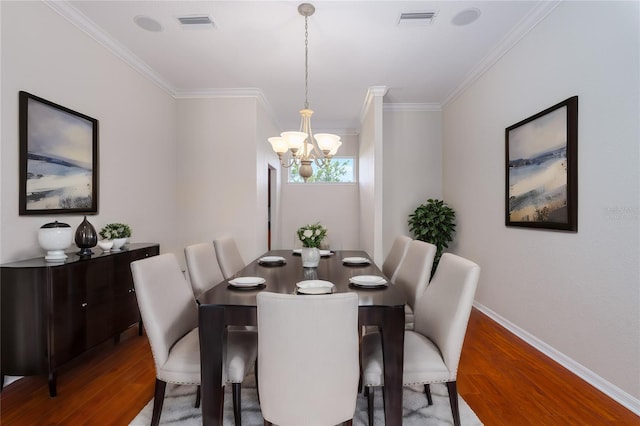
[[272, 259], [368, 281], [243, 282], [314, 287], [356, 260], [323, 253]]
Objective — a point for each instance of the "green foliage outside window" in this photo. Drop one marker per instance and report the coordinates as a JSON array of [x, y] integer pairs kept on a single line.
[[336, 170]]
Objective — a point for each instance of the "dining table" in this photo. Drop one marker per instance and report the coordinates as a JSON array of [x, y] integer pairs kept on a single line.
[[226, 304]]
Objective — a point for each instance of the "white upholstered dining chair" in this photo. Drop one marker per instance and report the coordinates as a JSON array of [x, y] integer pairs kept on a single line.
[[414, 273], [395, 256], [203, 268], [431, 351], [308, 358], [170, 317], [228, 256]]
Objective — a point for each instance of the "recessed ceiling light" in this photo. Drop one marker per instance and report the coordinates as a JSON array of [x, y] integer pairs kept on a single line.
[[466, 17], [147, 23]]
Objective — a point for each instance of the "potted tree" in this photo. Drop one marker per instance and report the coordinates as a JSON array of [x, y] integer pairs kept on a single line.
[[433, 222]]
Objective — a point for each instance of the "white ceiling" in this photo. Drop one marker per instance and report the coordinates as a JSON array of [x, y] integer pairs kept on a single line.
[[353, 45]]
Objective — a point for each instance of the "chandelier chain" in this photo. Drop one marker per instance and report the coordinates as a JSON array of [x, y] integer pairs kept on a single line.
[[306, 62]]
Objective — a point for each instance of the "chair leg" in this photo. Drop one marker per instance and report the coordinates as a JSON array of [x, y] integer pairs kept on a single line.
[[360, 334], [158, 400], [222, 401], [198, 397], [257, 384], [237, 403], [370, 393], [427, 391], [453, 400]]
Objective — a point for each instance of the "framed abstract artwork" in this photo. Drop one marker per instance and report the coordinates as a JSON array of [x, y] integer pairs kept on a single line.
[[58, 159], [542, 169]]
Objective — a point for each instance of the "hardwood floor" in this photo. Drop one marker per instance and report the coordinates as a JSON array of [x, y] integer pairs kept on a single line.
[[505, 381]]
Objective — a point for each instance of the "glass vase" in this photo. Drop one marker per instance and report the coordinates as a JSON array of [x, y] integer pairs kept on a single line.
[[86, 237]]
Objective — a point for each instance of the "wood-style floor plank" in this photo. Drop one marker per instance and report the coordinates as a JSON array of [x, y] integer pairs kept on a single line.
[[110, 384], [507, 382], [504, 380]]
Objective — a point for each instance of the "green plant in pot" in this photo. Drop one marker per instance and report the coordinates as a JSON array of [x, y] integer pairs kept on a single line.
[[116, 232], [434, 222]]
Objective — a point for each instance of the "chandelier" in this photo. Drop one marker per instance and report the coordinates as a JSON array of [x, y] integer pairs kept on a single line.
[[302, 148]]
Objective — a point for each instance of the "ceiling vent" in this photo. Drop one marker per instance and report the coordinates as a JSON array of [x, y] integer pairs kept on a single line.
[[195, 22], [416, 18]]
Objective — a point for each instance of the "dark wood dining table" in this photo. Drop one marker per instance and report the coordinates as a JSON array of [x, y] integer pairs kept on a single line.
[[224, 305]]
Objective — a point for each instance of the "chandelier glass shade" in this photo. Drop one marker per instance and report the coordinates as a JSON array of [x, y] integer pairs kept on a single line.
[[302, 148]]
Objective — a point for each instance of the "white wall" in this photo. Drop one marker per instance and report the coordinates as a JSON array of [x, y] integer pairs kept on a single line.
[[579, 293], [412, 166], [335, 206], [44, 55], [222, 173]]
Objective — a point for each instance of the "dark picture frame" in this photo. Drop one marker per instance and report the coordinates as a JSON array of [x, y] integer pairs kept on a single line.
[[58, 159], [542, 169]]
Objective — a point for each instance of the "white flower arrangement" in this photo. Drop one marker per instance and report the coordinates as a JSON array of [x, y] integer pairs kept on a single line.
[[312, 235]]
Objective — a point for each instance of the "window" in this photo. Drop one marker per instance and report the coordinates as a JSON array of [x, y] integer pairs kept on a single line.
[[338, 170]]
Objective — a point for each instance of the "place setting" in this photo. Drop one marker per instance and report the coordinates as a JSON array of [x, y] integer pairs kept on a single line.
[[323, 253], [356, 261], [246, 283], [272, 261], [314, 287], [368, 281]]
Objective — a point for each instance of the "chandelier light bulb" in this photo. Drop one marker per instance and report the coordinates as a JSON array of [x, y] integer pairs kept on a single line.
[[335, 149], [279, 145], [294, 139], [326, 141]]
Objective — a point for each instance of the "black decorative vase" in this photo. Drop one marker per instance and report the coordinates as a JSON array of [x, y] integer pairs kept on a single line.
[[86, 237]]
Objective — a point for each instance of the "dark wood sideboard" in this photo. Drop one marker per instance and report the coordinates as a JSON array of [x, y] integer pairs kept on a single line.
[[53, 312]]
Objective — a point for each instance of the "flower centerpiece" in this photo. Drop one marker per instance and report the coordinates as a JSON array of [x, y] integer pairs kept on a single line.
[[311, 236], [117, 232]]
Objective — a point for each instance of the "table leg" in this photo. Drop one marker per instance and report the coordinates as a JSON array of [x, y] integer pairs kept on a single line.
[[211, 329], [392, 330]]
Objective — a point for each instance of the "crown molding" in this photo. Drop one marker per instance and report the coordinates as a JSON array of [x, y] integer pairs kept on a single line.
[[413, 107], [248, 92], [84, 24], [372, 92], [529, 22]]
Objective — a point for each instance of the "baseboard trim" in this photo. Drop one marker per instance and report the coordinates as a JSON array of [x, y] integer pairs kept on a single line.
[[576, 368]]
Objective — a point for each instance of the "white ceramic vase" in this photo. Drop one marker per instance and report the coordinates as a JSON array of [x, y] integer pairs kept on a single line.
[[55, 237], [118, 243], [310, 257], [105, 245]]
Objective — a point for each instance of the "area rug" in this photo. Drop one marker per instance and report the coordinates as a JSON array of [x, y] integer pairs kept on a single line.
[[178, 408]]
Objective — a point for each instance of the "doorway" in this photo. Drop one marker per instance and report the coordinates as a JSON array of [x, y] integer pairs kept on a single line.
[[271, 191]]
